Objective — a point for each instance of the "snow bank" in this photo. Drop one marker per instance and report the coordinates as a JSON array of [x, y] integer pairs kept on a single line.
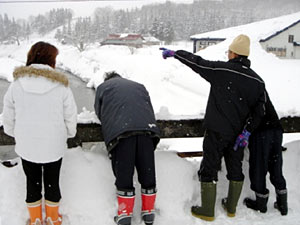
[[87, 186], [176, 91]]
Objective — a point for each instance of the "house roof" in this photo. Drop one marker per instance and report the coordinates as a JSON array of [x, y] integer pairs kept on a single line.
[[296, 43], [150, 39], [208, 39], [256, 31], [280, 31], [124, 37]]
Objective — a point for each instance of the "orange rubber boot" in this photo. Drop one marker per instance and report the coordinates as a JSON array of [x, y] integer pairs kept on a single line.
[[35, 212], [52, 215]]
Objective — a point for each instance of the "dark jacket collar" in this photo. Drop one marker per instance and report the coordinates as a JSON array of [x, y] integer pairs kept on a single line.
[[242, 60]]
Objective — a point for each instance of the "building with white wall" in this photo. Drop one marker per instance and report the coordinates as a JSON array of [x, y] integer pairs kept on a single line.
[[280, 36], [284, 43]]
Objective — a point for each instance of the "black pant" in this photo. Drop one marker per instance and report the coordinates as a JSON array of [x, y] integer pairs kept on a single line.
[[215, 146], [50, 173], [134, 151], [266, 156]]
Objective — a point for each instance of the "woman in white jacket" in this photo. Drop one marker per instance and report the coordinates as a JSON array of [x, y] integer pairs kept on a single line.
[[40, 113]]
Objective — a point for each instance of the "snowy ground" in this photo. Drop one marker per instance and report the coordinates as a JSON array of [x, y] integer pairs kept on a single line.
[[88, 191], [87, 182]]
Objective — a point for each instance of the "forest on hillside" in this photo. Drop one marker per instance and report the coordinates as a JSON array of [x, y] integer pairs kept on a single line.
[[168, 21]]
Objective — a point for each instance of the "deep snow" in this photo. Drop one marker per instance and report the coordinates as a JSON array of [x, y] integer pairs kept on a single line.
[[88, 190], [87, 182]]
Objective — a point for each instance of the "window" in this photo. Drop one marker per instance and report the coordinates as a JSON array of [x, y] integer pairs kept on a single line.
[[291, 38], [280, 52]]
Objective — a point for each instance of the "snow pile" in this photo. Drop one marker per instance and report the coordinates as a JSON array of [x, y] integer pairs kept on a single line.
[[176, 91], [86, 117], [88, 191]]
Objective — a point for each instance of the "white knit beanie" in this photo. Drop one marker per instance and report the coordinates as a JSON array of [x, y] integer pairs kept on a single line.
[[240, 45]]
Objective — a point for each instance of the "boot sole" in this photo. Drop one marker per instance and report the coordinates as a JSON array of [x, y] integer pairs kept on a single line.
[[284, 213], [123, 221], [206, 218], [36, 223], [148, 218], [230, 214]]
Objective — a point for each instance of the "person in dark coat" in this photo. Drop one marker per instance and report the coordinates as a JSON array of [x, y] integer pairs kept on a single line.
[[235, 91], [265, 146], [131, 135]]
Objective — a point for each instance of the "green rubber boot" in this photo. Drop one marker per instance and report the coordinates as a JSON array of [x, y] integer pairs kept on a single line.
[[208, 196], [234, 192]]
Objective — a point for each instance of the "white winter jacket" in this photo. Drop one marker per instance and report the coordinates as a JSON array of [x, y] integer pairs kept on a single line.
[[40, 113]]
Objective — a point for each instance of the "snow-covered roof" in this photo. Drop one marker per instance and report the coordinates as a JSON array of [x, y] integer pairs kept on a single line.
[[257, 31], [296, 43], [280, 31], [150, 39], [124, 36]]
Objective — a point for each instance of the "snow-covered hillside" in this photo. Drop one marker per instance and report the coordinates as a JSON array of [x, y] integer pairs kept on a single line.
[[176, 91]]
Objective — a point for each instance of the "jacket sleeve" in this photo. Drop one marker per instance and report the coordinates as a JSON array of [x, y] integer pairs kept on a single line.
[[204, 68], [98, 102], [70, 113], [9, 112], [257, 113]]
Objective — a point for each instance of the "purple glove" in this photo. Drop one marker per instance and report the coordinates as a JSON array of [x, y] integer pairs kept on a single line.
[[242, 140], [167, 53]]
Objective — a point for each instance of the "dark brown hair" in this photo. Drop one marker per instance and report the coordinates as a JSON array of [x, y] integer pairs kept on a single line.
[[110, 75], [42, 53]]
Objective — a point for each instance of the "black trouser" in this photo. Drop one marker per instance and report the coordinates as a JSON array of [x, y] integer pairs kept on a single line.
[[215, 146], [50, 173], [266, 156], [134, 151]]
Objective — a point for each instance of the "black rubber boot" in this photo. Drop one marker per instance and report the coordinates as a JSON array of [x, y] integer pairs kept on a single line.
[[281, 201], [207, 209], [260, 204], [234, 191]]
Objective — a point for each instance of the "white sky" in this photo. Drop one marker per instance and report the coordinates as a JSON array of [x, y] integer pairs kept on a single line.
[[83, 8]]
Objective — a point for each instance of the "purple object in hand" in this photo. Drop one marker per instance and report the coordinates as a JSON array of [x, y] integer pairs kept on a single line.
[[167, 53], [242, 140]]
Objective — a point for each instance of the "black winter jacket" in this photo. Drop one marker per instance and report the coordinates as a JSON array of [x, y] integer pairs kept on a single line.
[[235, 91], [271, 119], [124, 109]]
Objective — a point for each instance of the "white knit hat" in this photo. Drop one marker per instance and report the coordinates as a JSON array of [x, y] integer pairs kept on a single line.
[[240, 45]]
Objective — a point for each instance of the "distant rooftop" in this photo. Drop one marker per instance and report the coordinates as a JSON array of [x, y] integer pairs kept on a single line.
[[257, 31], [124, 36]]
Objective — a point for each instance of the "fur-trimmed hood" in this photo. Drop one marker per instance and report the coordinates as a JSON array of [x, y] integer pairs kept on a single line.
[[39, 78]]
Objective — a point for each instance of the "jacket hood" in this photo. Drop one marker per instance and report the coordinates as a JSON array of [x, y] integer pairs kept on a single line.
[[39, 78]]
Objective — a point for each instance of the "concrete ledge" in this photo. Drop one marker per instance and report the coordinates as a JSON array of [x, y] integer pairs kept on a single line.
[[169, 129]]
